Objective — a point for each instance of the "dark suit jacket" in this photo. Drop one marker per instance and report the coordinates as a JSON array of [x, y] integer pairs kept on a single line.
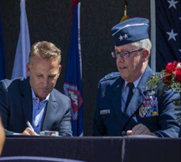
[[16, 108], [113, 122]]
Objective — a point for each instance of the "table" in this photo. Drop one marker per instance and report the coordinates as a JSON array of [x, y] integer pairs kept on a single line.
[[96, 149]]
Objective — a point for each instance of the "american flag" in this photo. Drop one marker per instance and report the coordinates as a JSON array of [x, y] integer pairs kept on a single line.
[[168, 32]]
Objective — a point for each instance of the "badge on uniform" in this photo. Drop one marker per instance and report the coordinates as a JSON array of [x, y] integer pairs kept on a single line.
[[149, 107], [103, 112]]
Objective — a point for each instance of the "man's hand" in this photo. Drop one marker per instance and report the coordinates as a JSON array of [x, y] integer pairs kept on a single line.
[[140, 129], [29, 131], [2, 136]]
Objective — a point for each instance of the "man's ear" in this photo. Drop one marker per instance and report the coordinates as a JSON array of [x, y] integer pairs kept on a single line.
[[59, 69], [146, 54], [28, 69]]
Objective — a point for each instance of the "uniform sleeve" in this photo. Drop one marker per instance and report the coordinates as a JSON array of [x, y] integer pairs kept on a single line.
[[167, 117], [98, 125]]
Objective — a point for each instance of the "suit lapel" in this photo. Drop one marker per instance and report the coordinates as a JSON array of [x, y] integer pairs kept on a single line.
[[50, 112], [26, 97], [138, 96]]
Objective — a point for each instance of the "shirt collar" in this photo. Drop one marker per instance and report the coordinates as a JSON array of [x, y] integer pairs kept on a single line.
[[135, 82], [34, 96]]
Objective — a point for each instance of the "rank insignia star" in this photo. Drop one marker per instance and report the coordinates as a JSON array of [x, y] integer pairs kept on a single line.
[[125, 36], [121, 38]]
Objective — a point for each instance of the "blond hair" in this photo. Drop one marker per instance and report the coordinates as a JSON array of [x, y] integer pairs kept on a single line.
[[45, 50]]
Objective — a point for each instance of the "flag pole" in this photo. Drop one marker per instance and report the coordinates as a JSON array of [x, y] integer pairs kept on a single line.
[[153, 35], [125, 16]]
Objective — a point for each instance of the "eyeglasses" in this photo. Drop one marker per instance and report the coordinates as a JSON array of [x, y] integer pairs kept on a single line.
[[124, 54]]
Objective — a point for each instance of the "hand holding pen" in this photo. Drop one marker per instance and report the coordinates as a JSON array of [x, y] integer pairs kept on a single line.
[[29, 130], [29, 125]]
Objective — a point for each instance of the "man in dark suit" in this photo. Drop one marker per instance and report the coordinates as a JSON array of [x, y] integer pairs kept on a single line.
[[124, 107], [34, 99]]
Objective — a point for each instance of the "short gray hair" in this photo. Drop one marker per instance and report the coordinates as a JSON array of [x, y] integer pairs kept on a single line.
[[145, 44]]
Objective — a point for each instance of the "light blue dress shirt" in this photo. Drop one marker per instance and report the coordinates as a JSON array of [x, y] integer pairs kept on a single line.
[[38, 111]]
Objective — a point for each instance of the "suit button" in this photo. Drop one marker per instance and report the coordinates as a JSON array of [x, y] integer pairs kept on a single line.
[[123, 133]]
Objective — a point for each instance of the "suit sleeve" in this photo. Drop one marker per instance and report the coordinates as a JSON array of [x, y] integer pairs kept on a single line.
[[4, 108], [167, 116], [65, 128], [4, 104]]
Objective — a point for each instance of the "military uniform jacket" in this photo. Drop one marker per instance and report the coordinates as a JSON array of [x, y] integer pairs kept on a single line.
[[109, 120]]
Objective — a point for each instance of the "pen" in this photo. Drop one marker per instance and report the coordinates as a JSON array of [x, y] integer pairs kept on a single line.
[[29, 125]]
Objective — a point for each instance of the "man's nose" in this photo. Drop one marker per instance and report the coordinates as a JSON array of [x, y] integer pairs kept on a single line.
[[45, 82], [120, 59]]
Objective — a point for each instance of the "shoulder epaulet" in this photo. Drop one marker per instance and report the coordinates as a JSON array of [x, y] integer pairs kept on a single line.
[[110, 76]]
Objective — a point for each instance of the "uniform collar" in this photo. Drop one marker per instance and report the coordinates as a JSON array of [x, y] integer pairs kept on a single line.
[[135, 82]]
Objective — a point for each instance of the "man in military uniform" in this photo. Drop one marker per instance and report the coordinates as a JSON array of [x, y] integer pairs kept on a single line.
[[123, 105]]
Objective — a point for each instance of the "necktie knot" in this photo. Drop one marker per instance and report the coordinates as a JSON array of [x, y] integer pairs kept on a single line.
[[130, 86]]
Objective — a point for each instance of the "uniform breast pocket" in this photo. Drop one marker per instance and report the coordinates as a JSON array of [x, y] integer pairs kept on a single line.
[[151, 119], [151, 122]]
